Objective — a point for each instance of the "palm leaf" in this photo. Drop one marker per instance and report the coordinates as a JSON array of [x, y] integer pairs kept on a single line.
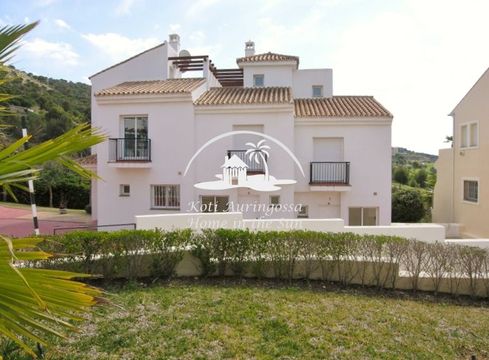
[[36, 302], [10, 37], [17, 165]]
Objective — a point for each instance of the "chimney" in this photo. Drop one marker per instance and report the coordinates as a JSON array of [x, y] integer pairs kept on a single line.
[[174, 41], [249, 48]]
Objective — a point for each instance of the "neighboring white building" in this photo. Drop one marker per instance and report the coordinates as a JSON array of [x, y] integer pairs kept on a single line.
[[157, 120]]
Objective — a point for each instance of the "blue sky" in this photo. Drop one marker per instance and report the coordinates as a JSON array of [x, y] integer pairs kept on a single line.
[[418, 57]]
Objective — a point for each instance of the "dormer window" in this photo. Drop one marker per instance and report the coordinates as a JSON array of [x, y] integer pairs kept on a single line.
[[258, 80], [317, 91]]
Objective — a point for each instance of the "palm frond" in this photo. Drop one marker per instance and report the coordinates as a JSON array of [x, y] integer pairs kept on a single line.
[[36, 302], [17, 165], [10, 36]]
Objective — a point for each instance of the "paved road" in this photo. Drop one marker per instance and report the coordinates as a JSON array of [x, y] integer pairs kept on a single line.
[[18, 222]]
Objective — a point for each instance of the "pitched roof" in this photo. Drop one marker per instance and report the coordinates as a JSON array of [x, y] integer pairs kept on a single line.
[[88, 160], [245, 96], [234, 162], [170, 86], [124, 61], [340, 106], [267, 57]]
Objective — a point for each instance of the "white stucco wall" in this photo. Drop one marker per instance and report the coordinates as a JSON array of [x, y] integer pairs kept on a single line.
[[151, 65], [367, 147], [423, 232], [275, 75], [304, 79]]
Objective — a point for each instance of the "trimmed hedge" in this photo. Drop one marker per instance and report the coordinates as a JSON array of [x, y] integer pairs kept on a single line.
[[280, 254]]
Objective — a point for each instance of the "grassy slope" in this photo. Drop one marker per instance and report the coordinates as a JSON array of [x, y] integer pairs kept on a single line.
[[215, 321]]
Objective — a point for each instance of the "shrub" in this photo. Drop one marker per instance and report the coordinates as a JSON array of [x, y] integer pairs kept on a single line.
[[407, 205], [88, 209], [370, 260], [400, 175], [167, 250]]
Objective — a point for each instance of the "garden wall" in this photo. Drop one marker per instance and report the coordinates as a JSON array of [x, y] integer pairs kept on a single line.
[[196, 221]]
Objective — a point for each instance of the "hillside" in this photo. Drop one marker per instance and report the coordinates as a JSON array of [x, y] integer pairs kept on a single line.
[[403, 156], [57, 105]]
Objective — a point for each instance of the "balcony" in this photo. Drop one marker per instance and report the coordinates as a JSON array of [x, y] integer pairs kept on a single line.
[[329, 176], [253, 167], [130, 152]]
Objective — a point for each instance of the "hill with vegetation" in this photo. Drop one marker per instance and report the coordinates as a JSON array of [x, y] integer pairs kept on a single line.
[[55, 105], [413, 181], [50, 107]]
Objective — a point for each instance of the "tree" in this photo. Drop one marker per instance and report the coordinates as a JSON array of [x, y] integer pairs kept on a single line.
[[401, 175], [37, 302], [407, 205], [421, 177]]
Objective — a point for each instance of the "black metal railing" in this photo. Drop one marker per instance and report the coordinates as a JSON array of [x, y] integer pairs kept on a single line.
[[130, 149], [329, 173], [253, 166]]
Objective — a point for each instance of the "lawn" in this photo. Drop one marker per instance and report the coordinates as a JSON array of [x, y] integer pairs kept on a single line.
[[188, 320]]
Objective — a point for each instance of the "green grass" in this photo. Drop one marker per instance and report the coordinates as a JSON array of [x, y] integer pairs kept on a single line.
[[198, 321]]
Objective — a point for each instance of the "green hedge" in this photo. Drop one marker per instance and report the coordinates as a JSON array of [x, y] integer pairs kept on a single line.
[[281, 254]]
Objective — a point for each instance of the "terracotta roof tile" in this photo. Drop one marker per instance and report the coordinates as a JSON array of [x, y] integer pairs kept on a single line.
[[244, 96], [171, 86], [340, 106], [88, 160], [267, 57]]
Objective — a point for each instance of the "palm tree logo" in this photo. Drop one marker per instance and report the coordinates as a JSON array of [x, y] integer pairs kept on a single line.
[[258, 153]]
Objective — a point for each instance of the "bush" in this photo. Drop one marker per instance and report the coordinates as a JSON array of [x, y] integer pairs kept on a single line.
[[88, 209], [401, 175], [407, 205], [369, 260]]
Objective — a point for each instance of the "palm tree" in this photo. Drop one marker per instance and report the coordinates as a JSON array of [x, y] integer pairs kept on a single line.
[[258, 152], [35, 302]]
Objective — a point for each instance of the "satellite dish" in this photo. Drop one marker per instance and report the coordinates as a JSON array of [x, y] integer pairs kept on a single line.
[[183, 53]]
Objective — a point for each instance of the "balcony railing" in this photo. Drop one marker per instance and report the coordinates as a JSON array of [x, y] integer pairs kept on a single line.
[[253, 166], [329, 173], [130, 149]]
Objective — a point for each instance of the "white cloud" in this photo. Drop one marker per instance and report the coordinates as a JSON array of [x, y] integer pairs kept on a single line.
[[42, 50], [125, 7], [119, 47], [62, 24]]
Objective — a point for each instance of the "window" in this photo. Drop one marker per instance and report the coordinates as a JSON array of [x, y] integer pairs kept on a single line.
[[165, 196], [317, 91], [471, 191], [474, 135], [212, 203], [124, 190], [134, 144], [258, 80], [275, 201], [469, 135], [303, 212], [359, 216]]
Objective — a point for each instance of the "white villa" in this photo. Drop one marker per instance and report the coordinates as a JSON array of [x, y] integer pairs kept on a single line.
[[333, 152]]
